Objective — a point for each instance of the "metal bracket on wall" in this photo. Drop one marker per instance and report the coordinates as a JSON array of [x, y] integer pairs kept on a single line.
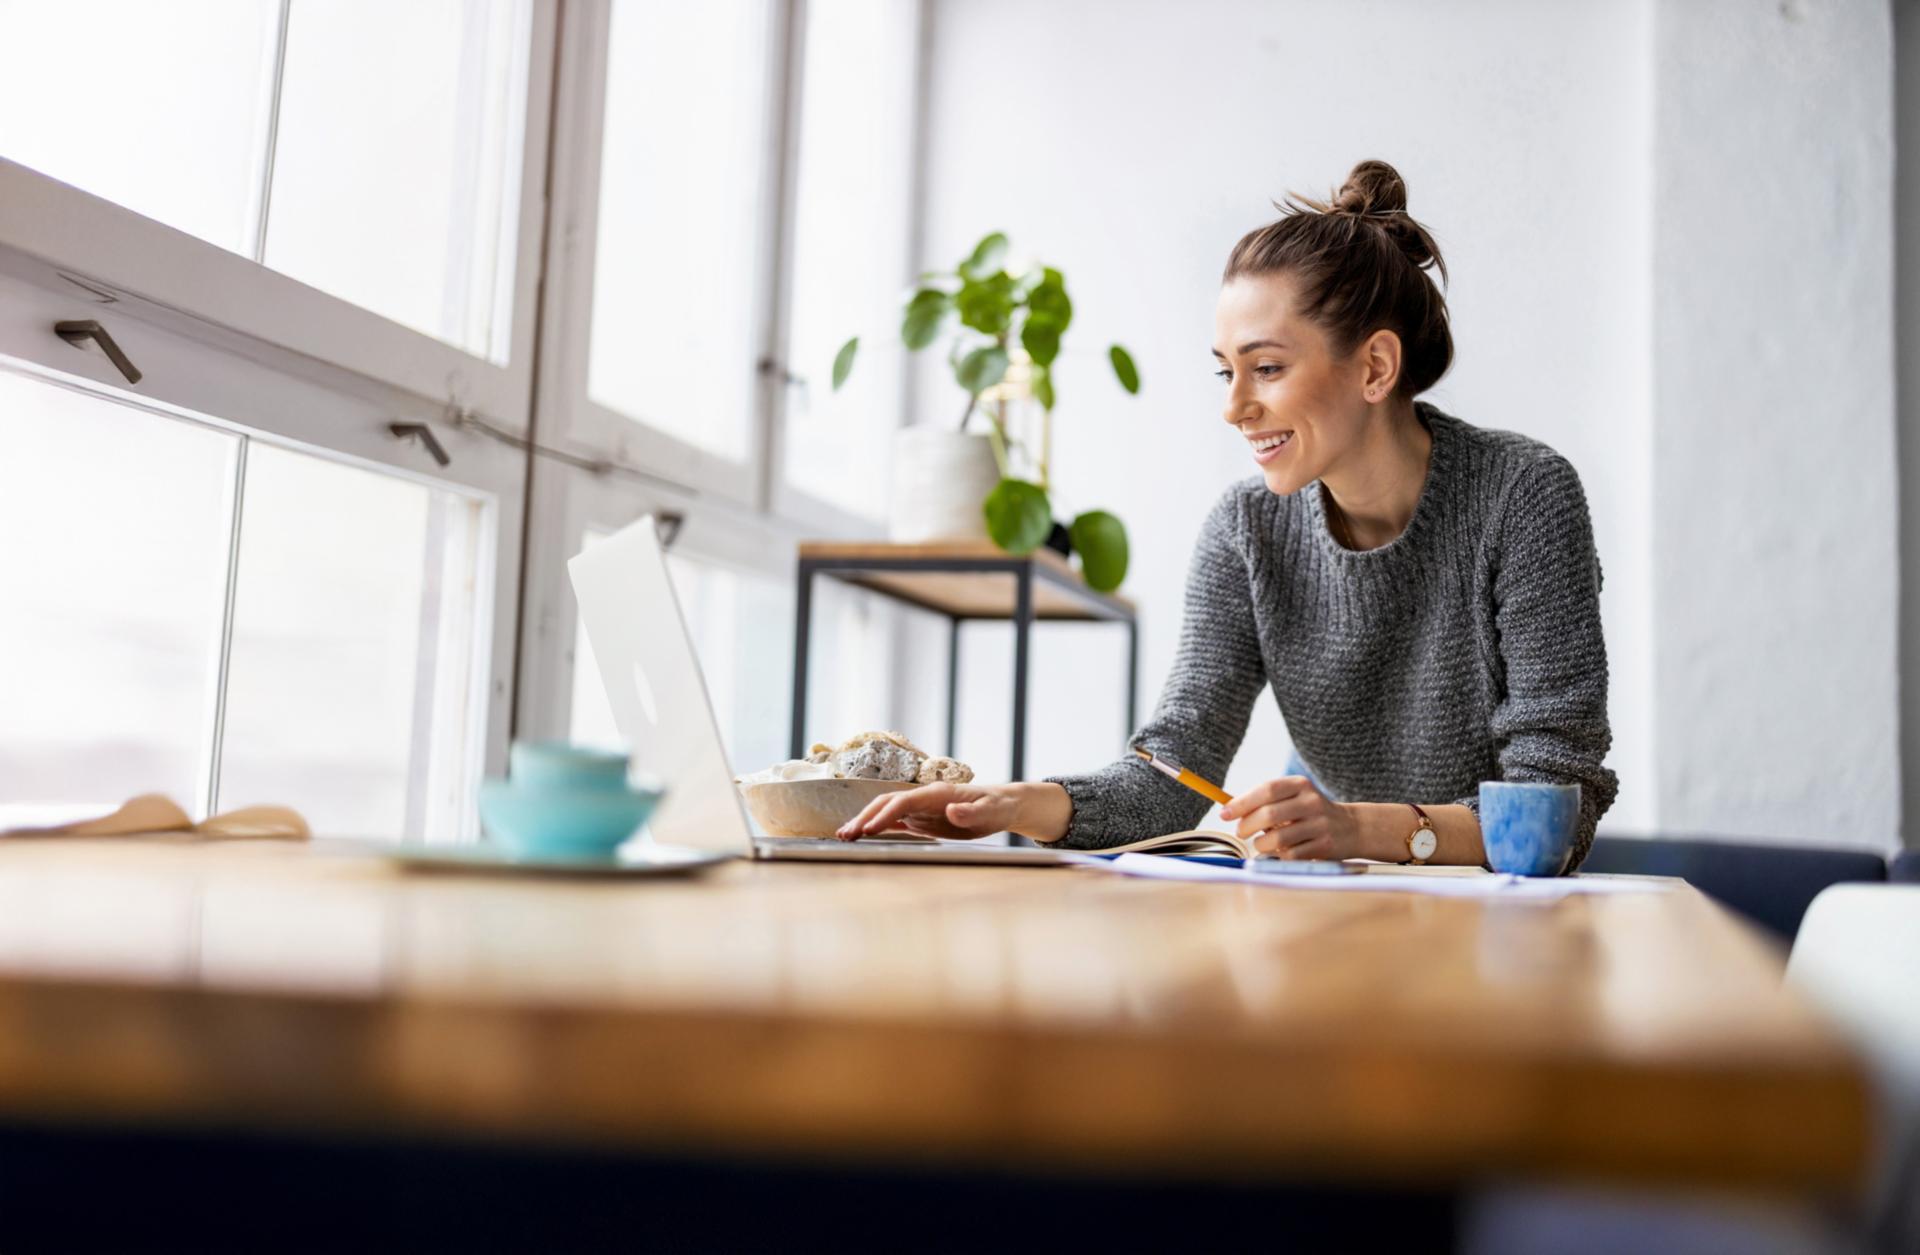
[[424, 434], [78, 333], [667, 523]]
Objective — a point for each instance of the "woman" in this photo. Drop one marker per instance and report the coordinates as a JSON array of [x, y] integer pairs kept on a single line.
[[1421, 595]]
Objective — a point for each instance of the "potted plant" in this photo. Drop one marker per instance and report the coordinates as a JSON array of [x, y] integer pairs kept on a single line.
[[1002, 353]]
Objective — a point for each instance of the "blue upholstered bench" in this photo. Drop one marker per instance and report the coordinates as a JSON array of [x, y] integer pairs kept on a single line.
[[1769, 884]]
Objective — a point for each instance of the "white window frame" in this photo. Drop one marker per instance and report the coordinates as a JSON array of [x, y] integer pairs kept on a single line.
[[234, 344], [579, 424], [173, 278], [213, 386], [740, 514], [223, 338]]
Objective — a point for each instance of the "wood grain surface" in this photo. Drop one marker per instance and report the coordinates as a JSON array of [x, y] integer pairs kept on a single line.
[[1056, 1017], [975, 594]]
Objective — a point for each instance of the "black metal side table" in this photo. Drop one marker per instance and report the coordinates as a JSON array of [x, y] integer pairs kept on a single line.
[[965, 581]]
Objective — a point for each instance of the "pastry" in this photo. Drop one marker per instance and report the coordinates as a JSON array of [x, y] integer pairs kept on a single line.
[[943, 770]]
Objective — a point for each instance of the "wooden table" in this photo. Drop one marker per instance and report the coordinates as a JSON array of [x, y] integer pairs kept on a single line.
[[955, 1015]]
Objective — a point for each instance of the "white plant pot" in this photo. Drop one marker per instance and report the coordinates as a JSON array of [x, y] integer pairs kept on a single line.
[[940, 480]]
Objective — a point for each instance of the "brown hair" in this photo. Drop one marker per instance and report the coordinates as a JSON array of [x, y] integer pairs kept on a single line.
[[1360, 263]]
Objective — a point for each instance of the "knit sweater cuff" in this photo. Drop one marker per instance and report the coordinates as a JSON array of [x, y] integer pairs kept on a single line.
[[1473, 804], [1084, 794]]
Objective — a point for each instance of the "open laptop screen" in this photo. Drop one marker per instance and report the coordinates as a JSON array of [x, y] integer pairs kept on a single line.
[[654, 685]]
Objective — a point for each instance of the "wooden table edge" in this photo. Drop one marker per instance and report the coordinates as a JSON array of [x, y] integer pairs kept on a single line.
[[904, 1090]]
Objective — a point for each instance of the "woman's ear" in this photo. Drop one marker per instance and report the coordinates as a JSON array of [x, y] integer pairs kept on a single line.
[[1380, 356]]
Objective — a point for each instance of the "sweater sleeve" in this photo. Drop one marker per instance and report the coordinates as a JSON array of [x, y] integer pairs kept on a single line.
[[1202, 714], [1551, 722]]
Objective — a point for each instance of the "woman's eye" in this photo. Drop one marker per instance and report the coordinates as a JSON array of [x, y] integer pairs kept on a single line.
[[1223, 374], [1266, 372]]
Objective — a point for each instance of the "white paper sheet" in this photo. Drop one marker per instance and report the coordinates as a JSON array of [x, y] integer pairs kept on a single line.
[[1491, 885]]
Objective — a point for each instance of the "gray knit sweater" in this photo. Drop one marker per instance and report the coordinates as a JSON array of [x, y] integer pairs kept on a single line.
[[1466, 649]]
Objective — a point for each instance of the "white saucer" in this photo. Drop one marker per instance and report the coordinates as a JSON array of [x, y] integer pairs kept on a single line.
[[637, 860]]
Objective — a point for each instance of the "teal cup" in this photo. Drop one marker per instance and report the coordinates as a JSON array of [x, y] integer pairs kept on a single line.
[[1528, 827], [564, 801]]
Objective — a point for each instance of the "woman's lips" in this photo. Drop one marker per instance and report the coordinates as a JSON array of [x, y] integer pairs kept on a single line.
[[1268, 454]]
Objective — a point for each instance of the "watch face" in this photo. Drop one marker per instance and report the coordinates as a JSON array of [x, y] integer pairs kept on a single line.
[[1423, 844]]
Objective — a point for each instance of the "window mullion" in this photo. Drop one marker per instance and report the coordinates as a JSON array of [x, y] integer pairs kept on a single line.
[[263, 198], [921, 130], [216, 743], [783, 182]]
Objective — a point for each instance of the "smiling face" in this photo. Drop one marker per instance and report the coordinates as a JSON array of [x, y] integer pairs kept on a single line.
[[1299, 406]]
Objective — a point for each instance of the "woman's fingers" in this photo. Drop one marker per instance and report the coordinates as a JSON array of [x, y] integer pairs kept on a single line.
[[1264, 794], [1316, 847], [877, 814], [1290, 841], [1301, 806], [853, 826], [889, 808]]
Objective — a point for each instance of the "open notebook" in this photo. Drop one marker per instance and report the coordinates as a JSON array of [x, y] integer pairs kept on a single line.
[[152, 813], [1193, 841]]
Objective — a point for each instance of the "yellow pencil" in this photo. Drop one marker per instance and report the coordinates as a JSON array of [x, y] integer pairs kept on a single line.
[[1205, 789]]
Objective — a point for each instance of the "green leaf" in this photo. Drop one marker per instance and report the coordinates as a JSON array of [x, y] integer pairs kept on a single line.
[[843, 362], [982, 368], [1049, 299], [1124, 368], [987, 256], [986, 303], [1101, 541], [1018, 516], [1040, 336], [1043, 386], [925, 312]]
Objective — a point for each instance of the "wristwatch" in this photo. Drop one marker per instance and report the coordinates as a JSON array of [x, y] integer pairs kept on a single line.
[[1422, 841]]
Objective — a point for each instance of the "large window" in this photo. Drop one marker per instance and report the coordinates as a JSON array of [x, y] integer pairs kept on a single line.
[[315, 553], [353, 647], [850, 262], [741, 180], [204, 614], [113, 554], [679, 267], [162, 108], [369, 149]]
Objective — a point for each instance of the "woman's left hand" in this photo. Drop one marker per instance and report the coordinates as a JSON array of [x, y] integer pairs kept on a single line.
[[1290, 818]]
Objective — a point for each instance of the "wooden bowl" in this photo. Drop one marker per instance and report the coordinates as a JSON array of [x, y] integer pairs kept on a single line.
[[812, 808]]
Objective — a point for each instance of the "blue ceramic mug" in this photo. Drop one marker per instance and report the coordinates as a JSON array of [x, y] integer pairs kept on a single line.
[[1528, 827]]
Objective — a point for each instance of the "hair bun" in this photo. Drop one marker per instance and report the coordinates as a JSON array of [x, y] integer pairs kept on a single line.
[[1374, 187], [1375, 193]]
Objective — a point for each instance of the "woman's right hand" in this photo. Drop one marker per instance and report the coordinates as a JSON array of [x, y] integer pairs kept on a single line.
[[945, 810]]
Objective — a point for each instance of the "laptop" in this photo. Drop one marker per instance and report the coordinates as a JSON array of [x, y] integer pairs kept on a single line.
[[660, 705]]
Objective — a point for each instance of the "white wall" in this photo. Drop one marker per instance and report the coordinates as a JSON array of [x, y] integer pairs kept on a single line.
[[1132, 143], [1774, 469]]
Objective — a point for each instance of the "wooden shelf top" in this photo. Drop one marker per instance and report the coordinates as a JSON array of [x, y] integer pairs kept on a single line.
[[1058, 592], [1065, 1017]]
